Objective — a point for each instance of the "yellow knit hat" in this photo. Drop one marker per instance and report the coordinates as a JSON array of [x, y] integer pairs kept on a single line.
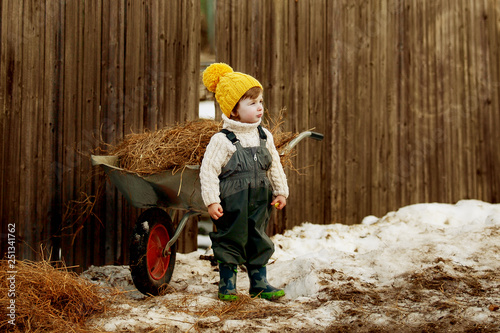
[[229, 86]]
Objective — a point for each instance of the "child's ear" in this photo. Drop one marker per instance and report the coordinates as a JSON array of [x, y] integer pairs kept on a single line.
[[234, 112]]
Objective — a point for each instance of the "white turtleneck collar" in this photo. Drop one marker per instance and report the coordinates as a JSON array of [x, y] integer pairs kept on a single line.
[[239, 127]]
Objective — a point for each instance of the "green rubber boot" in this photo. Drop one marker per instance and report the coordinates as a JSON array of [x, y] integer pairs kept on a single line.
[[259, 287], [227, 282]]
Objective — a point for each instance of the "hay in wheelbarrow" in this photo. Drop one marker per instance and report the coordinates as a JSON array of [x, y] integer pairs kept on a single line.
[[172, 148], [37, 297]]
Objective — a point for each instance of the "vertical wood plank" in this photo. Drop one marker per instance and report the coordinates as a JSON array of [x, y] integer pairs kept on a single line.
[[32, 60], [57, 167], [91, 105], [493, 28], [70, 120], [52, 57], [12, 55]]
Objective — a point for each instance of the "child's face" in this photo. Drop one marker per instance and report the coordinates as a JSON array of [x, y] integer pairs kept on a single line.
[[250, 110]]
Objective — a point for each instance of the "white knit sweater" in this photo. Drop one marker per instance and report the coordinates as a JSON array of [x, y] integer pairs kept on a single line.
[[220, 150]]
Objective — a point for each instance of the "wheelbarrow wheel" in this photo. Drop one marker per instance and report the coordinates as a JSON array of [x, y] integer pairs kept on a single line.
[[151, 270]]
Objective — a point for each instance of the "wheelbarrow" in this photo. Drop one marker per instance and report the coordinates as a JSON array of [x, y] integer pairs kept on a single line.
[[153, 241]]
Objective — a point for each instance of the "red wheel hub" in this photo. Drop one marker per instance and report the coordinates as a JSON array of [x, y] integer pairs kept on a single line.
[[157, 263]]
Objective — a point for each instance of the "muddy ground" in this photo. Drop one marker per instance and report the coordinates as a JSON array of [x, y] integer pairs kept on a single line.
[[443, 297]]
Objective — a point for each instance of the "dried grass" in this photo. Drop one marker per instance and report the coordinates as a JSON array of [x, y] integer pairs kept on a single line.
[[169, 148], [48, 298], [173, 148], [245, 308], [439, 279]]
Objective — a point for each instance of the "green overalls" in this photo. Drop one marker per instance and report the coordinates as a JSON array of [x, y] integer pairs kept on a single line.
[[246, 196]]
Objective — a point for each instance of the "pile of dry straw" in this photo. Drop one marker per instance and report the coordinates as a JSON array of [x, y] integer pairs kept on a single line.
[[47, 299], [172, 148]]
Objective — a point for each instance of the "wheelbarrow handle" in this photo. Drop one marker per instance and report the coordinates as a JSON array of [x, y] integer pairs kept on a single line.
[[178, 230], [317, 136], [306, 134]]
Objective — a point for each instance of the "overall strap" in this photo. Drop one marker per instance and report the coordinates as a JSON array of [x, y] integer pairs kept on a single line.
[[263, 137], [230, 135], [262, 134]]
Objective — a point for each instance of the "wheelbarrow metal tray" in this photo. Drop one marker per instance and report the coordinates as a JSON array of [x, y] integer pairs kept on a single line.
[[180, 190]]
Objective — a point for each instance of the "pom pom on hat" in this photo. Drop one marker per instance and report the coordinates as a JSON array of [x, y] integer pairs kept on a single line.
[[229, 86], [213, 74]]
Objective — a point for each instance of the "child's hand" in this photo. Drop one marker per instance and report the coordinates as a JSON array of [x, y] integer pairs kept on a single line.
[[279, 202], [215, 211]]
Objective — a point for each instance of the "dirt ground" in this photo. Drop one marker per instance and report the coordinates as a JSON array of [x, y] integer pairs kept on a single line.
[[441, 298]]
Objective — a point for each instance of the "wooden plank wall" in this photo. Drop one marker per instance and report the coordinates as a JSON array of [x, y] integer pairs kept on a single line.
[[406, 93], [74, 74]]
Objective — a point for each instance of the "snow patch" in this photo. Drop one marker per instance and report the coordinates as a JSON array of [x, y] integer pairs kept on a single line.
[[405, 271]]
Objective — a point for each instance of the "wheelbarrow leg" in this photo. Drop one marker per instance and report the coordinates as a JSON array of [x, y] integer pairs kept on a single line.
[[178, 230]]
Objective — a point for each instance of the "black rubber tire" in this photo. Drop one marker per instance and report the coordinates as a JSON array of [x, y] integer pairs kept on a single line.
[[152, 280]]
